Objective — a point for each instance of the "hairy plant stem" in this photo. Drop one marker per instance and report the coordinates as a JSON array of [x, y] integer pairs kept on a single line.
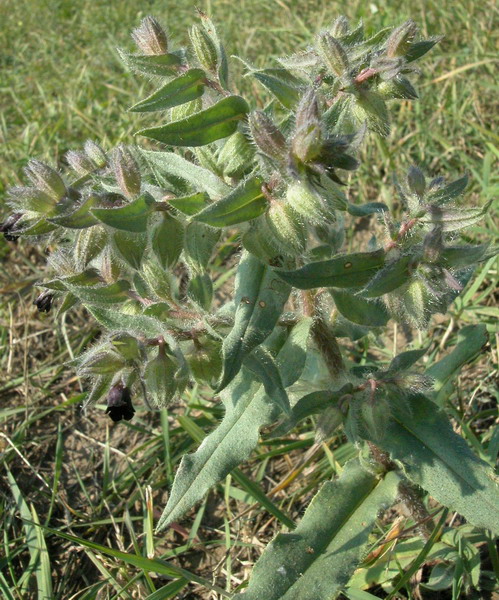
[[408, 494], [325, 340]]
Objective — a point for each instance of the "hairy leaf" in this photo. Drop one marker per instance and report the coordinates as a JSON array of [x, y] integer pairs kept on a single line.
[[81, 218], [440, 461], [391, 277], [359, 310], [318, 558], [214, 123], [346, 271], [160, 64], [130, 217], [246, 202], [169, 163], [113, 293], [248, 409], [190, 205], [185, 88], [200, 241], [471, 341], [259, 298], [167, 240], [262, 365]]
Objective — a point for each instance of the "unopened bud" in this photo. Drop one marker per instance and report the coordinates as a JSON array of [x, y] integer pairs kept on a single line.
[[340, 27], [433, 245], [44, 301], [159, 377], [204, 48], [288, 230], [333, 54], [328, 422], [401, 39], [119, 403], [127, 172], [305, 200], [9, 226], [236, 157], [46, 179], [267, 136], [95, 153], [416, 181], [79, 162], [30, 199], [150, 37], [308, 139]]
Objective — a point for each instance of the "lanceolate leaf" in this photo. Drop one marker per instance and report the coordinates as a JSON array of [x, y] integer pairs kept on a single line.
[[259, 298], [454, 218], [113, 293], [190, 205], [452, 190], [285, 86], [458, 257], [318, 558], [130, 217], [311, 404], [405, 360], [131, 323], [389, 278], [162, 64], [261, 363], [167, 240], [359, 310], [347, 271], [200, 240], [185, 88], [471, 340], [248, 409], [246, 202], [80, 218], [214, 123], [440, 461], [169, 163], [361, 210]]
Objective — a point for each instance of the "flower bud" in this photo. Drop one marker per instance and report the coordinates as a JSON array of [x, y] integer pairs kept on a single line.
[[340, 27], [327, 423], [119, 403], [305, 200], [307, 141], [288, 231], [267, 136], [9, 226], [433, 245], [95, 153], [159, 377], [236, 157], [204, 48], [79, 162], [259, 240], [416, 181], [126, 171], [401, 38], [150, 37], [205, 362], [30, 199], [44, 301], [45, 179], [333, 54]]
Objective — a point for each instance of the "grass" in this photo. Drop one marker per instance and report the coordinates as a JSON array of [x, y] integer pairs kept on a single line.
[[94, 488]]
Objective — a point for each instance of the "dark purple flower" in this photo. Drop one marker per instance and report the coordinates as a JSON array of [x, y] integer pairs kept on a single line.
[[44, 301], [8, 227], [119, 403]]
